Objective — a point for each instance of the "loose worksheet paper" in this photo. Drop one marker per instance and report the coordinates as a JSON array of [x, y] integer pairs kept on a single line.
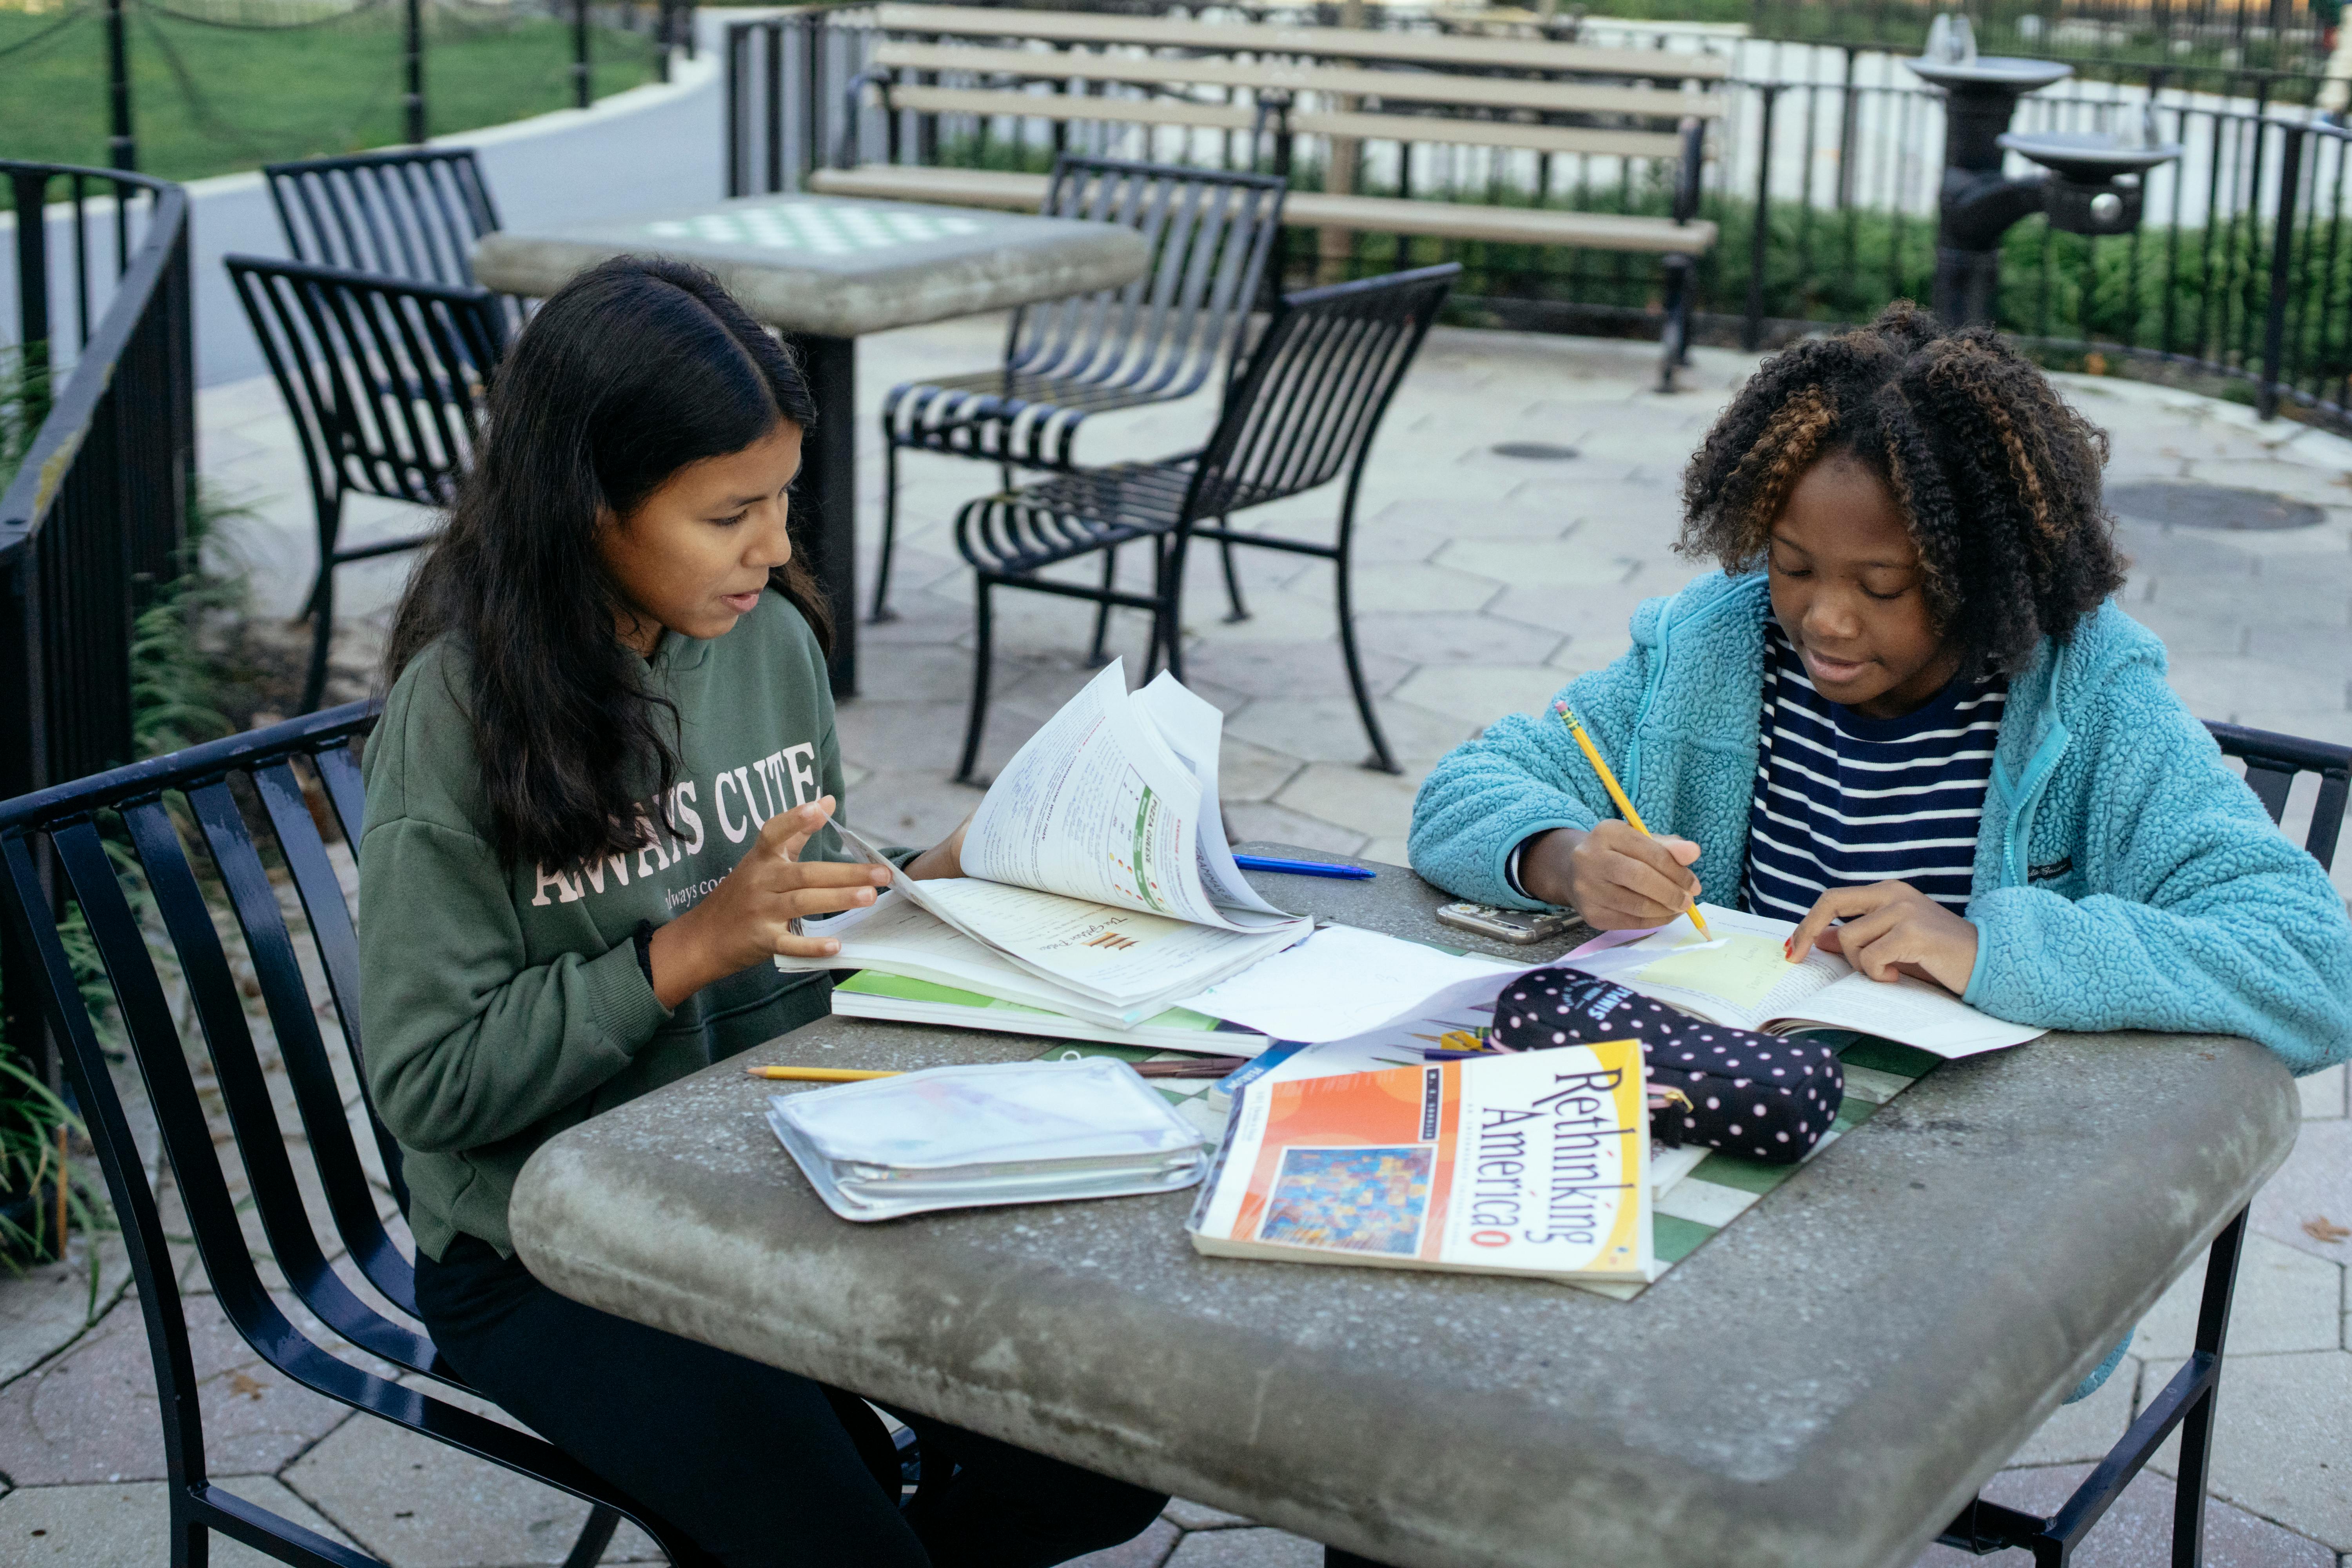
[[1098, 807]]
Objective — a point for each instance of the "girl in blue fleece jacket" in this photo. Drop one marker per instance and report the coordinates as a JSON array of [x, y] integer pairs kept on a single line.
[[1907, 711]]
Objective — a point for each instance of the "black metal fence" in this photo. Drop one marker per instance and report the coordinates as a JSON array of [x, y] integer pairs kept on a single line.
[[1824, 182], [101, 381], [2289, 35]]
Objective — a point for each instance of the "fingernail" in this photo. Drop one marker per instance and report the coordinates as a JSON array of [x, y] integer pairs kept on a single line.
[[831, 948]]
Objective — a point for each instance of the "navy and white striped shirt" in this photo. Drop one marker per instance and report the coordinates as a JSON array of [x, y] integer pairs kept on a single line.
[[1844, 801]]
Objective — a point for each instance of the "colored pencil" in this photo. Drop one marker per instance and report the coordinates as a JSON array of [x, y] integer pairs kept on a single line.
[[1190, 1066], [1609, 782]]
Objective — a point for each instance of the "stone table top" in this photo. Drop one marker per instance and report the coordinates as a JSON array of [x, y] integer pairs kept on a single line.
[[835, 265], [1822, 1385]]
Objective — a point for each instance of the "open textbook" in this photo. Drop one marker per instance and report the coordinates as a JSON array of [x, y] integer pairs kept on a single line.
[[1096, 872], [1742, 978]]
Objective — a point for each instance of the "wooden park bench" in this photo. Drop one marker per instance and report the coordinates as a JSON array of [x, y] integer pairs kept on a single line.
[[1340, 84]]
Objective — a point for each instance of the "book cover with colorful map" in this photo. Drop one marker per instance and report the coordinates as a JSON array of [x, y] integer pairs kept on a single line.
[[1535, 1163]]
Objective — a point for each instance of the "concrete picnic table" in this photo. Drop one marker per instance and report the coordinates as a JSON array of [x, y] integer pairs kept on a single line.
[[1824, 1385], [827, 270]]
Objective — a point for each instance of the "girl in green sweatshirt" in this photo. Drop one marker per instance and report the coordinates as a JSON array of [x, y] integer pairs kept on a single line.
[[598, 802]]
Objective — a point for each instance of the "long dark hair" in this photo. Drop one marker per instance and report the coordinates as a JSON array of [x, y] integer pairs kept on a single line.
[[630, 372]]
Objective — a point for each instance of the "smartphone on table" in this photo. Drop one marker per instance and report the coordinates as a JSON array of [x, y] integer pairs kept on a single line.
[[1522, 927]]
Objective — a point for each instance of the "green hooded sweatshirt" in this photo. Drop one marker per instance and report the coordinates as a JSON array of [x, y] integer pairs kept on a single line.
[[501, 1003]]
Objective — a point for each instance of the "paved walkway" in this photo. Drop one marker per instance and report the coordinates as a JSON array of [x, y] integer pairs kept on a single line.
[[1485, 582]]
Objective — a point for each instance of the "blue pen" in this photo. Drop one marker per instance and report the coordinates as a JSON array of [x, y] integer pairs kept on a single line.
[[1304, 867]]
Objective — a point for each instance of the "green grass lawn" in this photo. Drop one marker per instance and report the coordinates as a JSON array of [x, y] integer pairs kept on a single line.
[[212, 100]]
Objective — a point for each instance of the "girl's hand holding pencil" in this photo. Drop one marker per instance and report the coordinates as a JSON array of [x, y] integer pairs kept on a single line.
[[1617, 876]]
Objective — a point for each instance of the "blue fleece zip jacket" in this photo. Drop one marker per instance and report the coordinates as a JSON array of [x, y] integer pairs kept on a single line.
[[2124, 878]]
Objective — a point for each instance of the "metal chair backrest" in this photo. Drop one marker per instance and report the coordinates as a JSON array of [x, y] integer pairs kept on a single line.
[[1315, 390], [139, 889], [411, 212], [2272, 761], [384, 377], [1161, 335]]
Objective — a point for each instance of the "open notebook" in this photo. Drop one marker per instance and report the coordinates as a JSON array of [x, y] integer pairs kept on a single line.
[[1097, 871], [1741, 978]]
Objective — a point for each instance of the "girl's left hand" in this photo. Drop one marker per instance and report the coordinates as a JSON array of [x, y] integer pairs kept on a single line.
[[944, 859], [1890, 927]]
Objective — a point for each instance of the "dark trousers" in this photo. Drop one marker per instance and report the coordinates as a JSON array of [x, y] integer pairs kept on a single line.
[[756, 1465]]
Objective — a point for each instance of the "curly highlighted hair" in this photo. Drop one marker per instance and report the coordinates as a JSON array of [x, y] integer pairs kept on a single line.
[[1997, 476]]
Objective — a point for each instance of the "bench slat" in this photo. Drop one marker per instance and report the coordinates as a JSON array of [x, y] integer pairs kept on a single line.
[[1418, 86], [1491, 133], [1353, 43], [1074, 106], [1066, 106], [1307, 209]]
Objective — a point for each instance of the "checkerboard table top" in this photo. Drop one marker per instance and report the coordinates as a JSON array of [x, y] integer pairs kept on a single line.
[[837, 265]]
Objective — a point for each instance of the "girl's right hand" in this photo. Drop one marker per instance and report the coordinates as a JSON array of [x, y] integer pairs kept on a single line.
[[749, 916], [1616, 878]]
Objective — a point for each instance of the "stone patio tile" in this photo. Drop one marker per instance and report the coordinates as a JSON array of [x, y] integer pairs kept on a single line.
[[2138, 1531], [1424, 639], [1249, 772], [1245, 1549], [1399, 525], [2323, 1094], [107, 1526], [1481, 693], [91, 1415], [2086, 1431], [1415, 588], [2191, 634], [1148, 1550], [2225, 687], [922, 737], [2155, 549], [1298, 669], [1329, 730], [2316, 1183], [417, 1503], [912, 672], [46, 1309], [1201, 1516], [915, 810], [2282, 1439], [2302, 480], [2285, 1300], [2292, 600], [1376, 804], [1599, 609], [1567, 563], [1265, 823]]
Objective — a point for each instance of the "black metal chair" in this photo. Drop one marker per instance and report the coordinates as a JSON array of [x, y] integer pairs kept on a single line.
[[383, 378], [2273, 763], [410, 212], [1153, 341], [63, 825], [1304, 409]]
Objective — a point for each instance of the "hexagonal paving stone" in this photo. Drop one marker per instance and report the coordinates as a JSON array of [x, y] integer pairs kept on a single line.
[[1148, 1550], [417, 1503], [2282, 1439], [2314, 1188], [1375, 805], [2286, 1300], [111, 1526], [91, 1415], [1245, 1549], [1482, 693], [2085, 1431], [2138, 1531]]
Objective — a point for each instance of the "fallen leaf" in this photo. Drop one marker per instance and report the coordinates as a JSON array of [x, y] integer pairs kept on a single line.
[[2319, 1228], [240, 1384]]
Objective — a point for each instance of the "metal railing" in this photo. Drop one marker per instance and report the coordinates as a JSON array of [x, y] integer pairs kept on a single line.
[[1824, 182], [95, 515]]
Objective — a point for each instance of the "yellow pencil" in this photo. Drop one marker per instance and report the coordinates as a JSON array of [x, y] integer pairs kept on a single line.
[[818, 1075], [1609, 782]]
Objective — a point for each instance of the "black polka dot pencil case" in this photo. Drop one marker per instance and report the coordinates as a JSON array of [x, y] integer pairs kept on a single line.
[[1762, 1096]]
